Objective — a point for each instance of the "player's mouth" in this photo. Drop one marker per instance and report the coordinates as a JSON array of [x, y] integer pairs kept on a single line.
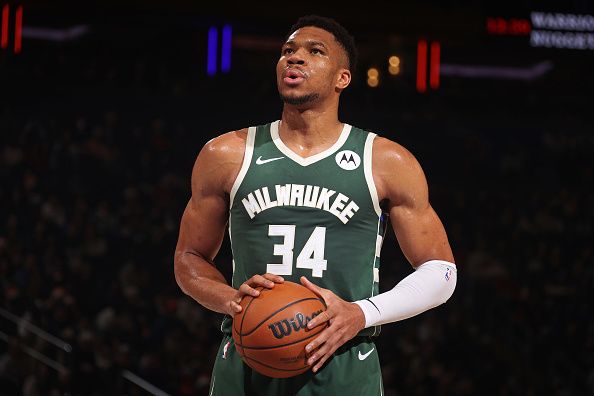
[[293, 77]]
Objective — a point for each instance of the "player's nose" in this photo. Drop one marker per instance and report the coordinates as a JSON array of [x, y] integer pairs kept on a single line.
[[296, 58]]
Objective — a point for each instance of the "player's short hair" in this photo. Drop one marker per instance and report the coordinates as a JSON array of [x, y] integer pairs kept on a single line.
[[342, 36]]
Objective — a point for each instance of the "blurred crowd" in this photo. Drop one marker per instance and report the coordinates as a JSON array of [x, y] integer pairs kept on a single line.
[[92, 191]]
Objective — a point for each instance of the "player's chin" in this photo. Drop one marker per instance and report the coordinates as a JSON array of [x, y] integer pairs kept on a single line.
[[290, 98], [298, 99], [286, 91]]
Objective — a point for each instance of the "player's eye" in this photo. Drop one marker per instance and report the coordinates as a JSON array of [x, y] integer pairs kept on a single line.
[[316, 51], [287, 51]]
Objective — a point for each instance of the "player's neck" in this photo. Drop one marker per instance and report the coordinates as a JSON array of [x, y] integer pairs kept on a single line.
[[309, 131]]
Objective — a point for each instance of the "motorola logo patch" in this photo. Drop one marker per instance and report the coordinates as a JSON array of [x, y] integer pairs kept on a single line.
[[348, 160]]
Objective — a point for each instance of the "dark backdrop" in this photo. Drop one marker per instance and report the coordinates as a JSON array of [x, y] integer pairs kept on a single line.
[[98, 136]]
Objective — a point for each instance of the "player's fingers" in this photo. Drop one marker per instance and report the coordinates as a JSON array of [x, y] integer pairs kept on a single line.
[[321, 354], [313, 359], [320, 340], [260, 280], [327, 350], [246, 289], [321, 362], [313, 287], [323, 317], [235, 307], [274, 278], [326, 295]]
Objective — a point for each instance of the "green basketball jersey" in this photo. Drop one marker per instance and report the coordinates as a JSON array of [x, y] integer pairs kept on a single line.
[[317, 216]]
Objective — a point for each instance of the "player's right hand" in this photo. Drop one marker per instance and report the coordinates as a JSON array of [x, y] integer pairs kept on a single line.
[[249, 288]]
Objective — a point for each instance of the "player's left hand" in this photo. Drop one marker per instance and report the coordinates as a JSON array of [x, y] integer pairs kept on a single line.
[[344, 319]]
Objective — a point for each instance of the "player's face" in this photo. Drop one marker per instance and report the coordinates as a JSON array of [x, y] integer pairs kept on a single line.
[[312, 65]]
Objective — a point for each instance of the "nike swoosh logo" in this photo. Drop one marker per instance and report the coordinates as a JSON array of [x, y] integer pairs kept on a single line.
[[260, 161], [364, 356]]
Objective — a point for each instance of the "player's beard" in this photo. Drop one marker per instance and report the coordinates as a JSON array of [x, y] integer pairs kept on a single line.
[[299, 100]]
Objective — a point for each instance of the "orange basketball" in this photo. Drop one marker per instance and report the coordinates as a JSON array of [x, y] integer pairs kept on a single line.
[[270, 332]]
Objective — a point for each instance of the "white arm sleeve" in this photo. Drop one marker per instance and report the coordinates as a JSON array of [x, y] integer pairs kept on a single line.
[[432, 284]]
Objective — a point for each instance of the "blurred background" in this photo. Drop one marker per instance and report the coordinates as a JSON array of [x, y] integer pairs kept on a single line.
[[104, 106]]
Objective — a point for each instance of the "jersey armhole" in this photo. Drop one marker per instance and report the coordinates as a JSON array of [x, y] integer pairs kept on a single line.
[[247, 160], [367, 161]]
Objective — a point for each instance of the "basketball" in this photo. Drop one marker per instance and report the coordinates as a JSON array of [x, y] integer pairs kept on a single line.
[[270, 332]]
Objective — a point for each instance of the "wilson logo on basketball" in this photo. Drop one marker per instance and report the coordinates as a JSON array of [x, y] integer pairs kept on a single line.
[[285, 327]]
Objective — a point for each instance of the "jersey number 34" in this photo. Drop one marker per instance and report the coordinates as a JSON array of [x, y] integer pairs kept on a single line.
[[311, 256]]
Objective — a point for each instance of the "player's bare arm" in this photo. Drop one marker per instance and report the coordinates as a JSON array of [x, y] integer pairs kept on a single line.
[[203, 225], [402, 188]]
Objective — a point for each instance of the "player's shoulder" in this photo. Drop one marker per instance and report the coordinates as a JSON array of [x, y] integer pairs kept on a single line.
[[223, 150], [391, 153], [219, 160], [229, 144], [397, 173]]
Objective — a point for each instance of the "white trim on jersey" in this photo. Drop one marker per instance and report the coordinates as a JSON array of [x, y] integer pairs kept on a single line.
[[376, 272], [213, 385], [247, 160], [367, 160], [346, 130]]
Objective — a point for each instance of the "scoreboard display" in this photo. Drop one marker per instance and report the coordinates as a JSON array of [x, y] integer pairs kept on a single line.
[[547, 29]]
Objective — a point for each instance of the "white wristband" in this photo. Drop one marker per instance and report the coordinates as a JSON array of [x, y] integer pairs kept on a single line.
[[432, 284]]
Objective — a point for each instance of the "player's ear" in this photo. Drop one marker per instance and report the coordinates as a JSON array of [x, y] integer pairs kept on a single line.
[[344, 79]]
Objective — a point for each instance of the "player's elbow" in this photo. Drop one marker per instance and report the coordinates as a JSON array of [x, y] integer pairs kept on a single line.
[[447, 291]]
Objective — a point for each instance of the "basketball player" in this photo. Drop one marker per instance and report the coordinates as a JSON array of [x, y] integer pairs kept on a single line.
[[305, 199]]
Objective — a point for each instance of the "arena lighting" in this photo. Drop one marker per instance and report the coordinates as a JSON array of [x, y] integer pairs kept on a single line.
[[17, 29], [530, 73], [434, 68], [55, 34], [211, 59], [434, 65], [213, 46], [226, 49], [422, 66], [372, 77], [394, 61], [393, 65], [4, 34]]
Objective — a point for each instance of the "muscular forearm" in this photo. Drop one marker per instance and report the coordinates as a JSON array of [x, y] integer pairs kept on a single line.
[[202, 281]]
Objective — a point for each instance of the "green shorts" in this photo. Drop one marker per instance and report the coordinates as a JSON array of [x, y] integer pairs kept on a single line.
[[353, 370]]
